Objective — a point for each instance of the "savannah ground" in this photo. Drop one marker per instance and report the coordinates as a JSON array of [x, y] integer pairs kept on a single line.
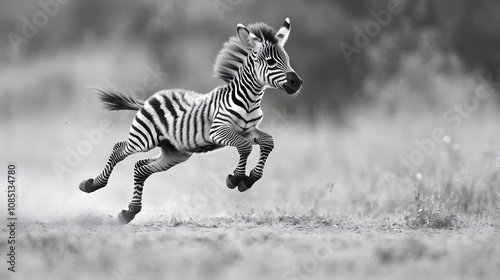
[[247, 246]]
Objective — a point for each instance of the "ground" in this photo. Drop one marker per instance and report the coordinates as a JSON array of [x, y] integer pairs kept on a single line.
[[247, 246]]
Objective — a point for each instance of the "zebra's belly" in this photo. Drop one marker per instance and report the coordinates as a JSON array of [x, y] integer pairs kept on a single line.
[[205, 148], [201, 146], [196, 143]]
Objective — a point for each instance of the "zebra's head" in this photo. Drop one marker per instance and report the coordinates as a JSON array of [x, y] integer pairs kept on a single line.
[[266, 51]]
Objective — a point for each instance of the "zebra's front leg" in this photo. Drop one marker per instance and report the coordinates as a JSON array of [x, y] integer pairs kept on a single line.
[[239, 176], [225, 135], [266, 144]]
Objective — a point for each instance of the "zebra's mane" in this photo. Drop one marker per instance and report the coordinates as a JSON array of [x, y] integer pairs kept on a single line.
[[233, 53]]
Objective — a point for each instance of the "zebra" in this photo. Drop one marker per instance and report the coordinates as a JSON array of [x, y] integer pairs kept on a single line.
[[182, 122]]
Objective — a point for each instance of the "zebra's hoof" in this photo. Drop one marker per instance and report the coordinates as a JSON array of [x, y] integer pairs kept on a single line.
[[87, 186], [233, 181], [246, 183], [124, 218]]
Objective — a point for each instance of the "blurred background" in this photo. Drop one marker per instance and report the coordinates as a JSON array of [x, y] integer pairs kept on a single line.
[[380, 77]]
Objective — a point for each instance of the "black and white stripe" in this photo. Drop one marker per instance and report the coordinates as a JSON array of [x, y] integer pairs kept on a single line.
[[183, 122]]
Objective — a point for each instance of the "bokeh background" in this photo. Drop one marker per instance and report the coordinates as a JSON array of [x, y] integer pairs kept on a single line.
[[341, 144]]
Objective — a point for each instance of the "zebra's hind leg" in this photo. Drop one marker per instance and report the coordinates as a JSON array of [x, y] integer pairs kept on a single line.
[[120, 152], [168, 158]]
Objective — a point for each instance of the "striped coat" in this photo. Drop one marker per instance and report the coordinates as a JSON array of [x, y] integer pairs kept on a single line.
[[183, 122]]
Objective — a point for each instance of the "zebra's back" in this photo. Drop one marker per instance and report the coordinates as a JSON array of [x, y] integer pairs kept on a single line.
[[178, 117]]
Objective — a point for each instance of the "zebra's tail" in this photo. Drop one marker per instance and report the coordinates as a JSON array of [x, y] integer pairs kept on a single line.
[[115, 100]]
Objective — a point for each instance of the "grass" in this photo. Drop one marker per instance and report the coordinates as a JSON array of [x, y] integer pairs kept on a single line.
[[264, 246]]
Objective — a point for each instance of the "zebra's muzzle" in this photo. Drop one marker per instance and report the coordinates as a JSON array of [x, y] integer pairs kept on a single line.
[[293, 83]]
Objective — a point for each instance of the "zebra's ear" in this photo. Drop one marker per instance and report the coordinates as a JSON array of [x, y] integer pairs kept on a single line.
[[282, 34], [247, 38]]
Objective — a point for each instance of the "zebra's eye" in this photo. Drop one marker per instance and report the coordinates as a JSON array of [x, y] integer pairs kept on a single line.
[[270, 61]]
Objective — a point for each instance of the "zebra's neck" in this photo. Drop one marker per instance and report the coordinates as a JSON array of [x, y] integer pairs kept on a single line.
[[245, 87]]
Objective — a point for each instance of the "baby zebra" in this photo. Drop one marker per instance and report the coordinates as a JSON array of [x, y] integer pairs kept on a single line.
[[183, 122]]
